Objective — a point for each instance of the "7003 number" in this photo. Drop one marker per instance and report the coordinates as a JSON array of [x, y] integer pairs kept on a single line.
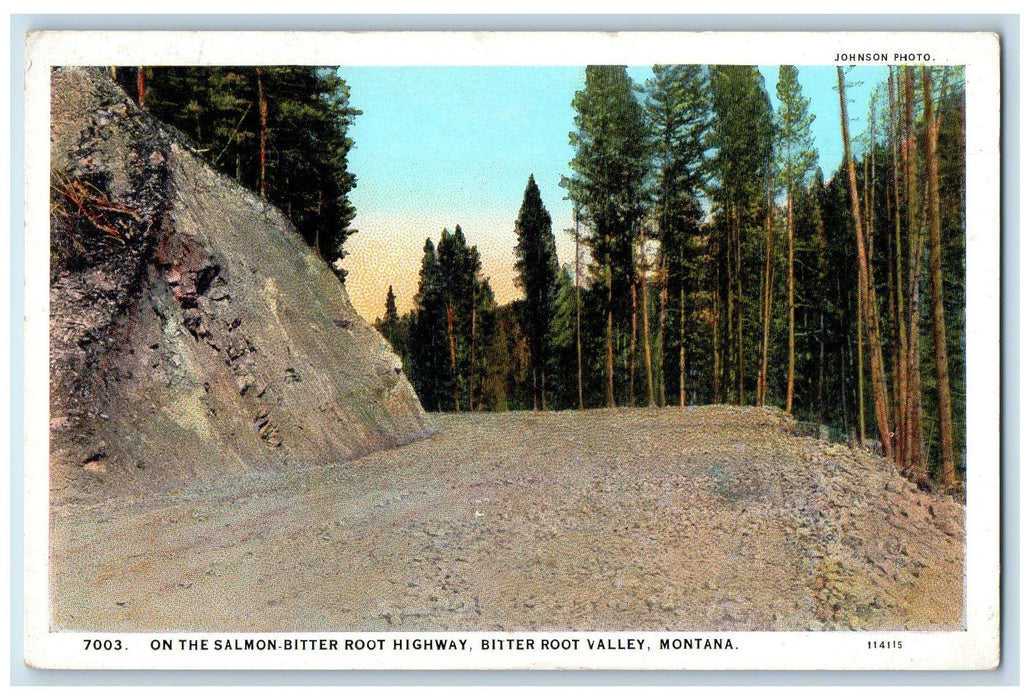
[[103, 645]]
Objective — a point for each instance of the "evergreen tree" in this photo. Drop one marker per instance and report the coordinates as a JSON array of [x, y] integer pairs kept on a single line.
[[430, 368], [536, 262], [795, 158], [609, 165], [679, 116], [389, 324], [742, 138]]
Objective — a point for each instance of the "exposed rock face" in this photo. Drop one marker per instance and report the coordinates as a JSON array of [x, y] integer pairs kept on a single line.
[[193, 333]]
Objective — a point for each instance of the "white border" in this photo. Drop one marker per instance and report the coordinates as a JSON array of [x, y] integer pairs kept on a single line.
[[976, 648]]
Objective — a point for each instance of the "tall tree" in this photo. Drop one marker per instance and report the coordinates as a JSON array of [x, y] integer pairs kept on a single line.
[[742, 135], [795, 158], [536, 264], [867, 303], [431, 374], [678, 110], [609, 167], [388, 324], [948, 471]]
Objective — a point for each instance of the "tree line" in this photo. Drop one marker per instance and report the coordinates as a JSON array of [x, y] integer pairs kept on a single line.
[[279, 130], [716, 263]]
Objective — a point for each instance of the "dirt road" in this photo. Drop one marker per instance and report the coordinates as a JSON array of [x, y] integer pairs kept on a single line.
[[702, 519]]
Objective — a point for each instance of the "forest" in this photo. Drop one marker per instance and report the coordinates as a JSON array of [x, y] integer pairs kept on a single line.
[[714, 261]]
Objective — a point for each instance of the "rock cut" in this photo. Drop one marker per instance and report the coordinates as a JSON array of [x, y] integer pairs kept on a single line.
[[193, 334]]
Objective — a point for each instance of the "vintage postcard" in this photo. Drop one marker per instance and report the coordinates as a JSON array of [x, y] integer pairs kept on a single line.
[[399, 350]]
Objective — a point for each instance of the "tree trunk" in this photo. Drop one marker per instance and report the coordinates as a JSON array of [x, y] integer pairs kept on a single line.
[[861, 372], [609, 352], [647, 331], [579, 338], [663, 302], [716, 331], [454, 357], [262, 128], [740, 318], [633, 344], [543, 388], [141, 92], [472, 351], [868, 307], [948, 473], [763, 369], [790, 300], [901, 366], [683, 345], [914, 423]]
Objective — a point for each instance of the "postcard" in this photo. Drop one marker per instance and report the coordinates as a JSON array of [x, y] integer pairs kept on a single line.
[[555, 350]]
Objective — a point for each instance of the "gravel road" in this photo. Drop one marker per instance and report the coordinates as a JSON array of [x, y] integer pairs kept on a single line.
[[710, 518]]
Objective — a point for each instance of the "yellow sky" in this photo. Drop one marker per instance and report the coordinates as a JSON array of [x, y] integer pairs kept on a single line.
[[388, 251]]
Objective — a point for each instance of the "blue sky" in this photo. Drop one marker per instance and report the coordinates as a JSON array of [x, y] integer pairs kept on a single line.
[[439, 146]]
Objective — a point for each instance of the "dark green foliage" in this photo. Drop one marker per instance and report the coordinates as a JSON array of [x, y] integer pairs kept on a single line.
[[679, 118], [795, 150], [742, 139], [536, 264], [609, 170], [391, 325], [451, 337]]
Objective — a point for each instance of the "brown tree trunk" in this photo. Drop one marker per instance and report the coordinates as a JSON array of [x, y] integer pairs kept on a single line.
[[647, 330], [790, 299], [948, 473], [141, 91], [609, 353], [262, 128], [901, 363], [763, 370], [663, 301], [914, 423], [472, 351], [633, 344], [683, 345], [740, 316], [861, 372], [716, 331], [579, 340], [868, 307], [454, 357]]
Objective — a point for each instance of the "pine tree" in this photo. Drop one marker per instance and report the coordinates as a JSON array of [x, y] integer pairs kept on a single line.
[[796, 156], [390, 322], [867, 296], [609, 166], [679, 116], [431, 374], [742, 136], [536, 262]]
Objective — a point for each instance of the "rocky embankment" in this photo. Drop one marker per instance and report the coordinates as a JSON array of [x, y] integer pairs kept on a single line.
[[194, 335]]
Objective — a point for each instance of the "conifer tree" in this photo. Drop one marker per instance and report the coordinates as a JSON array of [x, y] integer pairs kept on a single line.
[[742, 137], [795, 158], [679, 116], [609, 166], [536, 262], [429, 342]]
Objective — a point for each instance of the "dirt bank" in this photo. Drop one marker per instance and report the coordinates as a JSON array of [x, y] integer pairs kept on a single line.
[[710, 518], [194, 335]]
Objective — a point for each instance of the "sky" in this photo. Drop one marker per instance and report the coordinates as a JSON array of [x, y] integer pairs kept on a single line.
[[437, 147]]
